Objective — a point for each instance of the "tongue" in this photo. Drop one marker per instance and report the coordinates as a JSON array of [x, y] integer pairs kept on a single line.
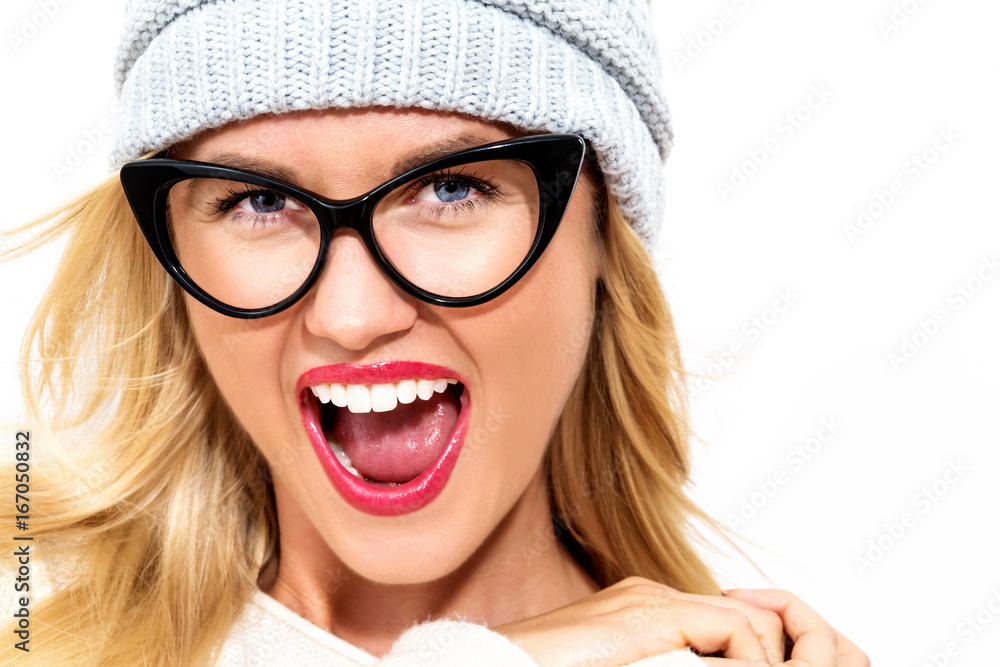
[[398, 445]]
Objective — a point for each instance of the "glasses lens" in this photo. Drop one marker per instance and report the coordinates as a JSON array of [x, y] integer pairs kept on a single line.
[[245, 245], [461, 231]]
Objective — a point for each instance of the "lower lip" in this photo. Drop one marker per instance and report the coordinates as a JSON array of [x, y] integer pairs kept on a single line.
[[386, 500]]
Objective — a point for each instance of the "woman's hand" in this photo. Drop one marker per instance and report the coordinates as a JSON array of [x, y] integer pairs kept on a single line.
[[637, 618], [815, 643]]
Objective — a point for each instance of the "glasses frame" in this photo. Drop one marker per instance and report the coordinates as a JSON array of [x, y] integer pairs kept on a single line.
[[555, 159]]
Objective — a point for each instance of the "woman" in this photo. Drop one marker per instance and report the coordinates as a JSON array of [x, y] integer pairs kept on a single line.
[[384, 349]]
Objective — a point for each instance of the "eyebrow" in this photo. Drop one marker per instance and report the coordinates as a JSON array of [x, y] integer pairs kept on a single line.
[[256, 166], [436, 151], [263, 167]]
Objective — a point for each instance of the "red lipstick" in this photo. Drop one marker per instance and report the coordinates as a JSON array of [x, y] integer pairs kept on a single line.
[[370, 498]]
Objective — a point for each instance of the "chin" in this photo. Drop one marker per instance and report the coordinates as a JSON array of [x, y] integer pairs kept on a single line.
[[396, 562]]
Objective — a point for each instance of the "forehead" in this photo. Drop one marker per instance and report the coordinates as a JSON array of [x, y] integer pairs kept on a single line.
[[337, 149]]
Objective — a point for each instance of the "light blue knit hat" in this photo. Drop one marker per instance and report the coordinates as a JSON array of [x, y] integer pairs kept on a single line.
[[587, 67]]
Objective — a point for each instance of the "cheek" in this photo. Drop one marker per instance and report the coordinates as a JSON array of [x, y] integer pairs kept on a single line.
[[558, 318], [532, 350], [243, 357]]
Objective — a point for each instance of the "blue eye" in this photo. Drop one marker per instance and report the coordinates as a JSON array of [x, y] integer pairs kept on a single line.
[[451, 191], [264, 202], [245, 205]]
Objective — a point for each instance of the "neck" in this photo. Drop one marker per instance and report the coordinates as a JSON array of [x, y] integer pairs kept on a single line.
[[522, 570]]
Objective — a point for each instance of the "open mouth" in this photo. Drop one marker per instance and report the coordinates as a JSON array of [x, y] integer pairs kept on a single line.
[[388, 434], [388, 447]]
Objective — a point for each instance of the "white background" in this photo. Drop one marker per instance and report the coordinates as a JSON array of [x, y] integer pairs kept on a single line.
[[822, 509]]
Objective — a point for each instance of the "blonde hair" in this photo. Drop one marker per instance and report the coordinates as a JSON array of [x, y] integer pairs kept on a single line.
[[154, 535], [618, 459]]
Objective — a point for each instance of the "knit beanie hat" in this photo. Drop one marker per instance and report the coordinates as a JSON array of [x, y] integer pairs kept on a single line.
[[586, 67]]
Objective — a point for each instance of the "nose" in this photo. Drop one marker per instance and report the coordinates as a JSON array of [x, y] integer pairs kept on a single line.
[[353, 303]]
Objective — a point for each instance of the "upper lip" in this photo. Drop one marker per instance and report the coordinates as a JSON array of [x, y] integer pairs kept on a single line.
[[378, 373]]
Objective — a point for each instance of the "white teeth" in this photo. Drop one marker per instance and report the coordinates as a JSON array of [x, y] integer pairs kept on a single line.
[[338, 395], [322, 392], [359, 398], [406, 391], [384, 397], [425, 389]]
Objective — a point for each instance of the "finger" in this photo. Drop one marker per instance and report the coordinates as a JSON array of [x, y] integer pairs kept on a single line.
[[668, 619], [766, 623], [768, 626], [712, 628], [726, 662], [850, 654], [815, 642]]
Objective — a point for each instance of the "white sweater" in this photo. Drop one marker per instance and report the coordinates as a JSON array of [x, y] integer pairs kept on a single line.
[[269, 634]]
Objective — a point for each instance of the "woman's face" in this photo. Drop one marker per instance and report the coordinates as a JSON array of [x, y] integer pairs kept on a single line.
[[516, 357]]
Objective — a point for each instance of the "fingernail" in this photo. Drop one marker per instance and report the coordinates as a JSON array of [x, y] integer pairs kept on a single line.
[[727, 591]]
